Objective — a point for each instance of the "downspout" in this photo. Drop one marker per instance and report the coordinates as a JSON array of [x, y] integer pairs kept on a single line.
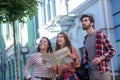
[[109, 23]]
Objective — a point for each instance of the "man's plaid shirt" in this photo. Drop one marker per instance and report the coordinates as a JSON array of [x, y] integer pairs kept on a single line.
[[103, 47]]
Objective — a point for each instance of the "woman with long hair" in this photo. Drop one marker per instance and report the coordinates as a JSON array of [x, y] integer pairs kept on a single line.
[[67, 71]]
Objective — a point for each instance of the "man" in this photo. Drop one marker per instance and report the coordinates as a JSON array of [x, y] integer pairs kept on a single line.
[[98, 50]]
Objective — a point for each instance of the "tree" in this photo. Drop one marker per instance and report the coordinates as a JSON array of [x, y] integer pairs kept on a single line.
[[16, 10]]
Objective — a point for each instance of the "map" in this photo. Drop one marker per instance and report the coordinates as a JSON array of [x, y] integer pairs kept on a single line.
[[58, 57]]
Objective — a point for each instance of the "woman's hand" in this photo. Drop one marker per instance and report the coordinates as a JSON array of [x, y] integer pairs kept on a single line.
[[43, 61], [72, 56], [54, 68]]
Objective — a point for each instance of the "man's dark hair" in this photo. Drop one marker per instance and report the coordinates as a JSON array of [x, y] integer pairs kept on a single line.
[[89, 16]]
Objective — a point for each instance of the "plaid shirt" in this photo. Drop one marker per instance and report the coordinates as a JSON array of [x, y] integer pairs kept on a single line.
[[103, 47], [69, 76]]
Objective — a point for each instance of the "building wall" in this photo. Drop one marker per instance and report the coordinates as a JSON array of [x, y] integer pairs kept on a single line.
[[31, 33], [116, 22], [116, 18], [7, 50]]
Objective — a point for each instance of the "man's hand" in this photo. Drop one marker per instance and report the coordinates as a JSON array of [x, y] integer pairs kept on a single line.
[[96, 60]]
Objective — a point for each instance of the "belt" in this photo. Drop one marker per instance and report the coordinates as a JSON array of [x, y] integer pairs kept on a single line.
[[43, 78]]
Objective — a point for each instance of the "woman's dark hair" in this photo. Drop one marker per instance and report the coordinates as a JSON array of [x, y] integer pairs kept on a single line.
[[67, 41], [49, 46]]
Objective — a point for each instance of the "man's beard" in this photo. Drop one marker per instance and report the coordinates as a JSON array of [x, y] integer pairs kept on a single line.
[[86, 27]]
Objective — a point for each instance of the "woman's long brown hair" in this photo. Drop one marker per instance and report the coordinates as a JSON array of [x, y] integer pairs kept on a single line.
[[67, 41]]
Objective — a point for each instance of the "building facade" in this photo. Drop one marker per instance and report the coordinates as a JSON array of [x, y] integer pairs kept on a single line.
[[26, 35]]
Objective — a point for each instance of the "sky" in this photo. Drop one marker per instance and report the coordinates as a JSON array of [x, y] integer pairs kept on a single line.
[[74, 3]]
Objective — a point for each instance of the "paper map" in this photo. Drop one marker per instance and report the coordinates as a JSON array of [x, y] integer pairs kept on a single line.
[[58, 57]]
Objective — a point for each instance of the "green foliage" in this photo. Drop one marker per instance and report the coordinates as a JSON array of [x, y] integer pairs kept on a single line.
[[12, 10]]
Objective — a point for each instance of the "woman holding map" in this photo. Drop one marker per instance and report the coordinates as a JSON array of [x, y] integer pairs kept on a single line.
[[36, 62], [67, 70]]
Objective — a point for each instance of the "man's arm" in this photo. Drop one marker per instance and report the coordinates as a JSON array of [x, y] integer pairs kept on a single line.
[[110, 51]]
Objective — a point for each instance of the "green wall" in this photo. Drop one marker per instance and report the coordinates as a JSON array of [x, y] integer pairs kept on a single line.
[[30, 33]]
